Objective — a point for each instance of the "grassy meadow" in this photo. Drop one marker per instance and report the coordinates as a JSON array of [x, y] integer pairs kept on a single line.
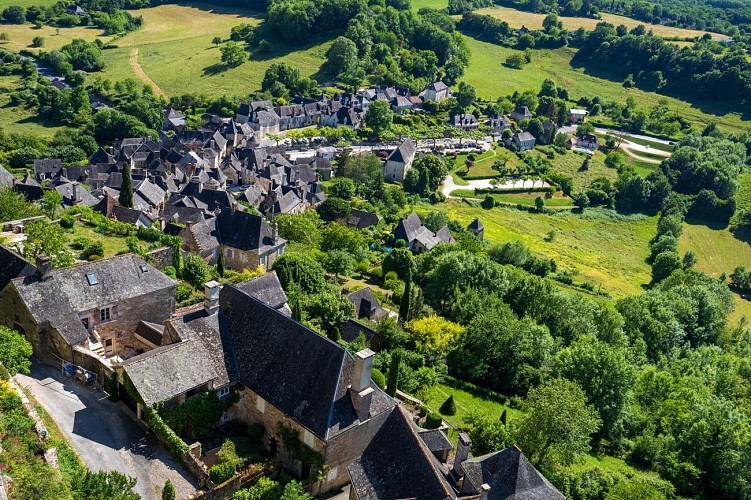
[[19, 119], [175, 50], [602, 247], [517, 19], [21, 35]]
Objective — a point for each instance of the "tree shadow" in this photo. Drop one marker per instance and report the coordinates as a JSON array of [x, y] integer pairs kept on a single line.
[[215, 69], [716, 225]]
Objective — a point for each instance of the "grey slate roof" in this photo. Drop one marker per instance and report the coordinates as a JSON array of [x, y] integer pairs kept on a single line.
[[13, 266], [404, 153], [268, 290], [397, 464], [210, 331], [6, 178], [151, 332], [162, 373], [60, 297], [475, 225], [436, 440], [509, 475], [366, 304], [298, 371], [362, 219], [245, 231]]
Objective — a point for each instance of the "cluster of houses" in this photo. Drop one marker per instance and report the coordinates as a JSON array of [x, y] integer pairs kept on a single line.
[[116, 318]]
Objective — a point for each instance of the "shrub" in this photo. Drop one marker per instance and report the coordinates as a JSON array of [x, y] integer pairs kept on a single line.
[[67, 221], [488, 202], [168, 492], [195, 270], [433, 420], [379, 378], [220, 473], [81, 242], [93, 249], [448, 407]]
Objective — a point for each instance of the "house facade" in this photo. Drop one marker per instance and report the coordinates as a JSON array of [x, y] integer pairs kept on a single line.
[[400, 161]]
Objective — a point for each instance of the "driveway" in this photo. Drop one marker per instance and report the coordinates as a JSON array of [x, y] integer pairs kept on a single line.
[[449, 186], [104, 435]]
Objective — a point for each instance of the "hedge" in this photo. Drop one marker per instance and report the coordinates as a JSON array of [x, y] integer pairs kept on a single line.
[[176, 446], [220, 473], [475, 389], [510, 190]]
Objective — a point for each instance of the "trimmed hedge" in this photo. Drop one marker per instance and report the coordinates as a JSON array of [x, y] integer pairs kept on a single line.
[[510, 190], [175, 445], [220, 473], [433, 420]]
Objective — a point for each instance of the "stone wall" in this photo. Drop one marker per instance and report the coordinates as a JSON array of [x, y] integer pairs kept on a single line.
[[161, 257]]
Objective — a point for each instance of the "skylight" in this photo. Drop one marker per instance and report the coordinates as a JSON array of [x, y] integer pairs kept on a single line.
[[92, 279], [144, 268]]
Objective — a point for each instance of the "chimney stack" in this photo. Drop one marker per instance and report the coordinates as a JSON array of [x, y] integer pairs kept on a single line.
[[275, 237], [211, 297], [361, 393], [484, 491], [44, 266], [462, 453]]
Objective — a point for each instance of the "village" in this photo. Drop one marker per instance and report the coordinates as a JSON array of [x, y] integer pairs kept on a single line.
[[114, 324]]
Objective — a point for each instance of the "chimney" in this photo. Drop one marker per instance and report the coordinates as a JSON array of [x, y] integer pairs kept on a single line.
[[44, 266], [361, 393], [484, 491], [462, 453], [274, 238], [211, 297]]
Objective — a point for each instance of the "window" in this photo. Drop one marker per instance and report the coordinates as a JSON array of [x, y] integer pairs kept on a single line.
[[92, 279], [105, 314], [144, 268], [260, 404], [331, 475], [308, 439], [85, 322], [222, 392]]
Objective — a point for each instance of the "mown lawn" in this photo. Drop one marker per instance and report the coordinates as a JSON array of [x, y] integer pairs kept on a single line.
[[571, 164], [113, 245], [21, 35], [492, 80], [517, 19], [605, 248], [175, 50]]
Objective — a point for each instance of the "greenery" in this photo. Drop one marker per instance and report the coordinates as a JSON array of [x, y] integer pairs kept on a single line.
[[15, 351]]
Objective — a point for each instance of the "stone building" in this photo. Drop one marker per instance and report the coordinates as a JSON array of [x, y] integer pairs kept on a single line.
[[298, 383], [97, 305], [400, 161], [247, 240]]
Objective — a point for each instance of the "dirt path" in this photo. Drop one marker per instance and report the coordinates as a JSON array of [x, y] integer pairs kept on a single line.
[[635, 156], [142, 74]]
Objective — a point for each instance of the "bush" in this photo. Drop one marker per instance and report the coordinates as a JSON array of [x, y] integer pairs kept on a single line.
[[488, 202], [195, 270], [448, 407], [67, 221], [168, 492], [220, 473], [93, 249], [379, 378], [433, 420]]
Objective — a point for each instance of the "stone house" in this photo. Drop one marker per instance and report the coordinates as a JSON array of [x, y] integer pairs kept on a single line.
[[303, 388], [549, 129], [521, 113], [498, 123], [524, 141], [466, 122], [246, 239], [400, 161], [437, 92], [418, 237], [576, 115], [588, 141], [97, 305]]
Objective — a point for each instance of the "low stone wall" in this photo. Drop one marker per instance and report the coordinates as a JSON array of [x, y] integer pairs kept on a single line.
[[192, 462], [161, 257], [50, 454], [243, 478]]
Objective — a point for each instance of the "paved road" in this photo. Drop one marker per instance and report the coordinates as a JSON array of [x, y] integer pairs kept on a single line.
[[105, 436], [449, 186]]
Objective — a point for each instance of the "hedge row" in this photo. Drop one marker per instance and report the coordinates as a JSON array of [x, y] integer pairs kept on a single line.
[[176, 446]]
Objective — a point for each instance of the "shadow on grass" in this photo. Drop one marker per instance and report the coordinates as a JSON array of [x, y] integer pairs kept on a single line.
[[713, 224], [215, 69]]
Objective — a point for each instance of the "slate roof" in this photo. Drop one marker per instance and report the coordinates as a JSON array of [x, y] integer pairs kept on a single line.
[[509, 475], [524, 137], [12, 265], [210, 331], [404, 153], [6, 178], [436, 440], [298, 371], [366, 304], [204, 234], [128, 215], [397, 464], [162, 373], [151, 332], [246, 232], [268, 290], [66, 292], [362, 219], [475, 225], [408, 228]]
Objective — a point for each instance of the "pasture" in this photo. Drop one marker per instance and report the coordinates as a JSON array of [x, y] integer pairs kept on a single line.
[[517, 19], [21, 35], [175, 50], [17, 119], [602, 247], [492, 80]]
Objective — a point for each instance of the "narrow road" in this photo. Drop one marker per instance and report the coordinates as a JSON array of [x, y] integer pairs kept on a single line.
[[105, 436], [142, 74]]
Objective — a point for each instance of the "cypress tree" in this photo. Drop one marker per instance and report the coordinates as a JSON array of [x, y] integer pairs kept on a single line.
[[126, 189], [406, 297], [220, 262], [177, 261], [393, 380], [168, 492], [297, 310]]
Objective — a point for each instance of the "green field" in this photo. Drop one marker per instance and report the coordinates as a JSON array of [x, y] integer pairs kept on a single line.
[[602, 247], [526, 199], [174, 48], [466, 403], [21, 35], [492, 80], [14, 119]]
